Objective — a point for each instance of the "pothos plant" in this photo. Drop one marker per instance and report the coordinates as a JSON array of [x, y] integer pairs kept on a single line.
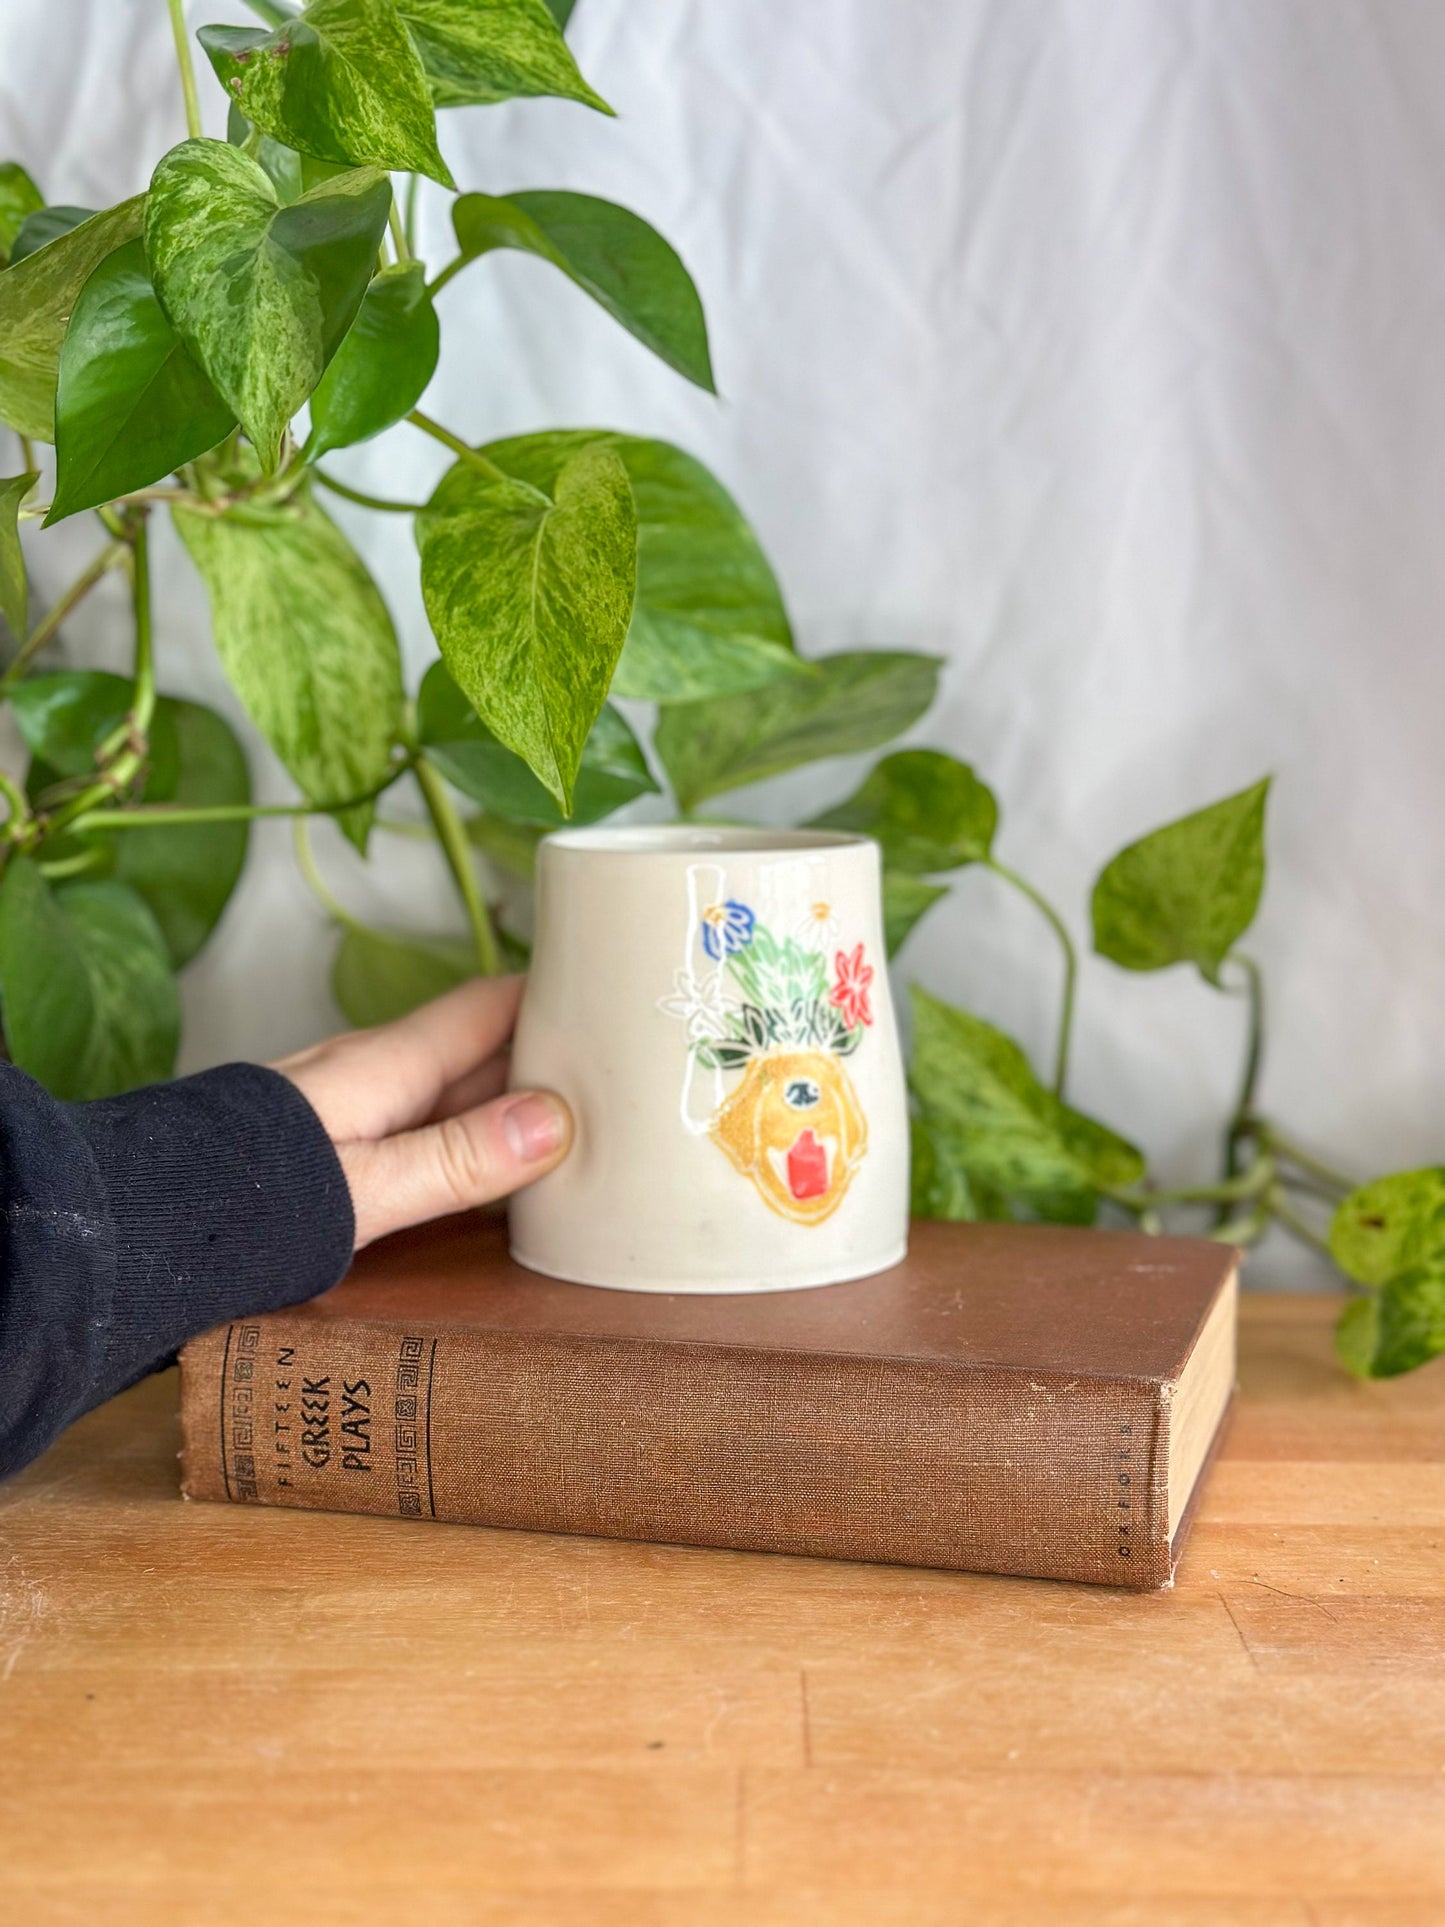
[[203, 348]]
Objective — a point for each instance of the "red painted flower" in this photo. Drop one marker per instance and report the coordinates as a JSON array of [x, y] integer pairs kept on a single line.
[[850, 992]]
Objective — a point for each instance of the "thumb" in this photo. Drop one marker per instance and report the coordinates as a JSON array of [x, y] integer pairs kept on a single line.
[[467, 1160]]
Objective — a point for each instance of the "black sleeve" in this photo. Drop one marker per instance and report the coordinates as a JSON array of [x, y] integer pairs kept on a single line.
[[131, 1224]]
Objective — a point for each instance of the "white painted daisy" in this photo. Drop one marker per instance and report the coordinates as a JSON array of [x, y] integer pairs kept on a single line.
[[701, 1002], [817, 928]]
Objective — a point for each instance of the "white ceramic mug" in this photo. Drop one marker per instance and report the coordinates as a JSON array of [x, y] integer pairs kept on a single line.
[[714, 1006]]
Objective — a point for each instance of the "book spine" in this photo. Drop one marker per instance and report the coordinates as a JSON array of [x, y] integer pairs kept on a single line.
[[889, 1460]]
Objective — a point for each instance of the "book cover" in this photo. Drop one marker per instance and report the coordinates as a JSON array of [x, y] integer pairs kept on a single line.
[[1017, 1399]]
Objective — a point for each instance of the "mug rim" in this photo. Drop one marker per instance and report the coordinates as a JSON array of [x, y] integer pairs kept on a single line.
[[699, 839]]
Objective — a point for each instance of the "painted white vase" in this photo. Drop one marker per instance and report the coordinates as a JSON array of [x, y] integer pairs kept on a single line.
[[714, 1006]]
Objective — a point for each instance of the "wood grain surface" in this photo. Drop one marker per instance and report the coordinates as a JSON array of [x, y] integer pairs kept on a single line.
[[211, 1714]]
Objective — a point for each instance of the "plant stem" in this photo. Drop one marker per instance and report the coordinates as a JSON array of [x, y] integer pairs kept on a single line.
[[18, 806], [109, 556], [459, 447], [453, 840], [439, 280], [409, 224], [27, 453], [1249, 1184], [1243, 1231], [1336, 1181], [366, 501], [143, 703], [316, 883], [1239, 1123], [188, 72], [273, 15], [1071, 965], [1292, 1221], [398, 232], [71, 866]]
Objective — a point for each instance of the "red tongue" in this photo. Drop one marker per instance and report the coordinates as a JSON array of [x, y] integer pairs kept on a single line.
[[807, 1167]]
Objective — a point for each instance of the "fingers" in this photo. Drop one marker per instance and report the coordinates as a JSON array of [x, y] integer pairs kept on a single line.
[[371, 1082], [465, 1160], [477, 1087]]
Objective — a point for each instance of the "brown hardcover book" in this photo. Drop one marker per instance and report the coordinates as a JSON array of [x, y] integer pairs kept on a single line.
[[1018, 1399]]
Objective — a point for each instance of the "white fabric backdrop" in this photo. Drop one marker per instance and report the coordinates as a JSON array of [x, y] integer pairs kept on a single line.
[[1100, 349]]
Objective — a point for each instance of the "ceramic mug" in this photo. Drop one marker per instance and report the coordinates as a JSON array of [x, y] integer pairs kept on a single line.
[[714, 1006]]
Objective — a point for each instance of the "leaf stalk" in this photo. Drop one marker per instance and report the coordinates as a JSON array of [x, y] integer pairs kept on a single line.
[[452, 837], [1071, 965]]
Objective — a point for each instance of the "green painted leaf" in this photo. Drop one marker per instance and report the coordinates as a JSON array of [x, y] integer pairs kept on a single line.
[[611, 253], [36, 299], [1009, 1132], [1410, 1320], [307, 643], [708, 619], [381, 370], [1390, 1225], [906, 899], [613, 770], [478, 51], [380, 975], [19, 198], [89, 1002], [529, 595], [1186, 893], [342, 82], [14, 590], [262, 295], [38, 230], [131, 404], [185, 874], [928, 810], [856, 701]]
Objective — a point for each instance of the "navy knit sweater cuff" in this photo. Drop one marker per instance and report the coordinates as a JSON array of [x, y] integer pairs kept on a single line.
[[133, 1223]]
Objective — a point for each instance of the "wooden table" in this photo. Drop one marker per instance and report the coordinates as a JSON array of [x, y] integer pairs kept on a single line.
[[217, 1715]]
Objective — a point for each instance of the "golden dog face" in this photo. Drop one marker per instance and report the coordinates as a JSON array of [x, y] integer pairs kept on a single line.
[[794, 1126]]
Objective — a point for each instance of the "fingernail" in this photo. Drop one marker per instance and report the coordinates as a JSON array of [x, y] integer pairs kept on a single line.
[[533, 1126]]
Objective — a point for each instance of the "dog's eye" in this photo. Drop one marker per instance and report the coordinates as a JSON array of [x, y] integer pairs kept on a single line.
[[802, 1093]]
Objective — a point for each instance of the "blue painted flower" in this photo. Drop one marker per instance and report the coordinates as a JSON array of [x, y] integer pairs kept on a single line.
[[726, 927]]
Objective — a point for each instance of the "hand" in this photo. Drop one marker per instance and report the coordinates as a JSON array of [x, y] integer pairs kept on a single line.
[[415, 1112]]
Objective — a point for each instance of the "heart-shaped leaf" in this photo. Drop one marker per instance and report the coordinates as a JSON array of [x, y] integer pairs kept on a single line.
[[478, 51], [856, 701], [14, 593], [89, 1003], [380, 975], [131, 404], [342, 81], [262, 295], [307, 643], [37, 296], [708, 619], [928, 810], [611, 253], [613, 770], [19, 198], [529, 594], [906, 899], [978, 1090], [38, 230], [381, 370], [1185, 893], [1390, 1225]]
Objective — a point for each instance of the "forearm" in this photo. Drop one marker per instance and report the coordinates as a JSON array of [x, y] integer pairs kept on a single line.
[[129, 1225]]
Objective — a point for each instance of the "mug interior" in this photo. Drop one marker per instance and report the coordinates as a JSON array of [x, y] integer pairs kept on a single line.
[[694, 839]]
